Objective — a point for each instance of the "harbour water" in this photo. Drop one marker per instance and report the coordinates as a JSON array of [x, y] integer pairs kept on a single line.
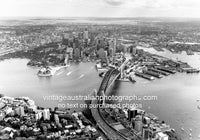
[[18, 79], [177, 94]]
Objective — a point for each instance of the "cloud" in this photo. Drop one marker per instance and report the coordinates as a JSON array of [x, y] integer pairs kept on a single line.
[[114, 2]]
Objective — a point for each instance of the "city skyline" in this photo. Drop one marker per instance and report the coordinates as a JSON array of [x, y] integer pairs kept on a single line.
[[100, 8]]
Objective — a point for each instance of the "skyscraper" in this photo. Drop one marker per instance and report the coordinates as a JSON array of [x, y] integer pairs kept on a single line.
[[77, 54], [145, 133], [86, 35], [56, 118], [112, 44], [132, 112], [38, 115], [46, 114], [138, 123]]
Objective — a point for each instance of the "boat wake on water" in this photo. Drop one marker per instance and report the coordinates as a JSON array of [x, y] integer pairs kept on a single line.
[[59, 73], [81, 76], [69, 73]]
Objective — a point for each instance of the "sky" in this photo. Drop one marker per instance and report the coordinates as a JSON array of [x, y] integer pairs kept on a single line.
[[100, 8]]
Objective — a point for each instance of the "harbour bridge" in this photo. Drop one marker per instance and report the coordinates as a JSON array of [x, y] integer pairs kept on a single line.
[[107, 81]]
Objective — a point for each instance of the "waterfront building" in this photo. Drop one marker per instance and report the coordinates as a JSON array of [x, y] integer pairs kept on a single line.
[[161, 136]]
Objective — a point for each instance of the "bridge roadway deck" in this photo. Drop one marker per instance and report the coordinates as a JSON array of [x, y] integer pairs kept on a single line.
[[110, 132]]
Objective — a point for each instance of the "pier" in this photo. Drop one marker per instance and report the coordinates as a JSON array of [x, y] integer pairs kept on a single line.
[[151, 73], [144, 76], [166, 69], [159, 71]]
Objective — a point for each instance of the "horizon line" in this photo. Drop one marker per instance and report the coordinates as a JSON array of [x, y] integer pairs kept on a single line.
[[100, 17]]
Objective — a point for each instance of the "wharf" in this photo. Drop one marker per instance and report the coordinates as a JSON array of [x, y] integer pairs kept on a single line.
[[151, 73], [192, 71], [158, 71], [166, 69], [144, 76]]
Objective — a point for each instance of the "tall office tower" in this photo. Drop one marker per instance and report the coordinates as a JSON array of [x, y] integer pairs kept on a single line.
[[66, 59], [146, 120], [77, 53], [38, 115], [46, 114], [102, 53], [133, 50], [145, 133], [112, 45], [76, 43], [56, 119], [101, 43], [138, 123], [132, 112]]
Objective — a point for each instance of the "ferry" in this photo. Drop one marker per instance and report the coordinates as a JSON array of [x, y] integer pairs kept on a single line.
[[45, 72]]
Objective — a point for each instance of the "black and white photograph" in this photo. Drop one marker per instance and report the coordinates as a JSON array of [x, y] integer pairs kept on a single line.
[[100, 69]]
